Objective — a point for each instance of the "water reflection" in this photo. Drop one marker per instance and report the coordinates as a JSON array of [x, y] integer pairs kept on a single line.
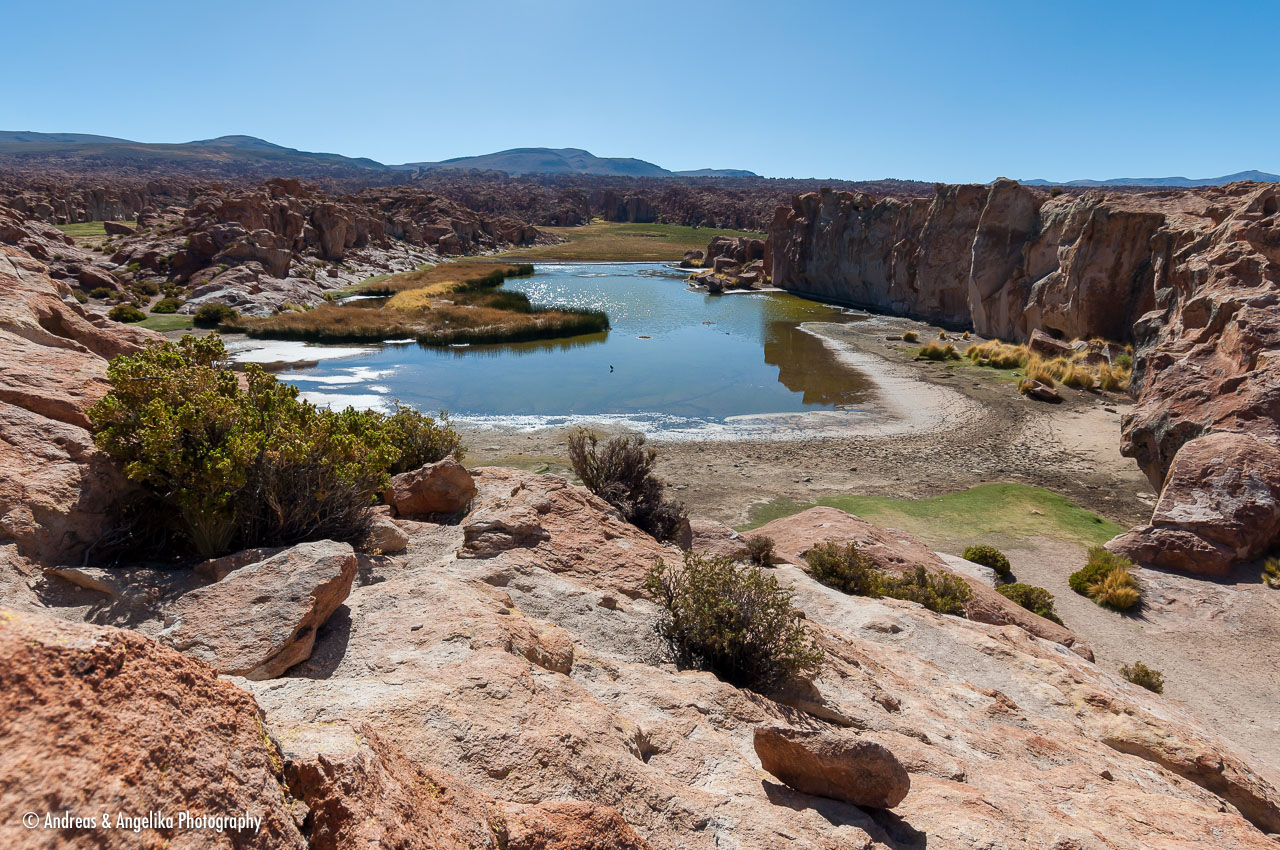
[[683, 359]]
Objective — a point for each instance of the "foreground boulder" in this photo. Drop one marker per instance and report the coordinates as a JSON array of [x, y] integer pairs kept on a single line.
[[897, 552], [839, 765], [1220, 505], [261, 619], [444, 487], [97, 720]]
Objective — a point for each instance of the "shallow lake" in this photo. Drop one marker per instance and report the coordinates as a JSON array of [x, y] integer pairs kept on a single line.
[[674, 361]]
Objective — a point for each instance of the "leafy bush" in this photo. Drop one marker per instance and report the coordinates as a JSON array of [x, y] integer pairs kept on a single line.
[[846, 569], [934, 351], [125, 313], [80, 295], [212, 315], [1106, 579], [734, 621], [146, 287], [621, 473], [910, 336], [101, 292], [1037, 600], [1144, 676], [167, 305], [941, 592], [760, 550], [989, 556], [230, 467], [420, 440], [1271, 572], [849, 571], [1055, 191]]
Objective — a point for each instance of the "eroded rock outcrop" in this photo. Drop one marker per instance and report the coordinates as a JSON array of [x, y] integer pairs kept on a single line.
[[58, 495]]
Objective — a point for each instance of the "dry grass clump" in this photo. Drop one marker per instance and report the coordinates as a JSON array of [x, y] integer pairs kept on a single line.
[[910, 336], [1271, 573], [998, 355], [934, 351], [1106, 579], [1069, 371]]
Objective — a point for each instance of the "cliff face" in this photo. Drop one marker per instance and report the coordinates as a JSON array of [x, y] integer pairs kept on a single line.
[[1003, 258], [1192, 278]]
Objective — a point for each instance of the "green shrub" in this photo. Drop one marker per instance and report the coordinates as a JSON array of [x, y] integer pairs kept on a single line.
[[420, 440], [146, 287], [232, 467], [101, 292], [212, 315], [167, 305], [621, 473], [942, 592], [732, 620], [1055, 191], [849, 571], [80, 295], [1271, 572], [1142, 675], [760, 550], [989, 556], [1037, 600], [846, 569], [126, 313]]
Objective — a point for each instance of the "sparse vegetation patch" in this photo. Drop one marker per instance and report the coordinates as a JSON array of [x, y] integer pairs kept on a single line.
[[732, 620]]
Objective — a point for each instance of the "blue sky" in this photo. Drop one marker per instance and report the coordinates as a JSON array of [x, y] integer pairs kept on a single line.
[[953, 91]]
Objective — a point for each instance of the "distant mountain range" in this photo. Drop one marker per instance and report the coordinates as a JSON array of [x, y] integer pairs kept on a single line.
[[1175, 182], [227, 152], [569, 161], [247, 155]]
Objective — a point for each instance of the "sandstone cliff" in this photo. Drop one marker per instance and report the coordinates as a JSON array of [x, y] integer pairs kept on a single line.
[[1192, 278]]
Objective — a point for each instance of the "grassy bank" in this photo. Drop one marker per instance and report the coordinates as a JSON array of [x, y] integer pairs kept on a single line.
[[163, 323], [1003, 512], [449, 304], [616, 241]]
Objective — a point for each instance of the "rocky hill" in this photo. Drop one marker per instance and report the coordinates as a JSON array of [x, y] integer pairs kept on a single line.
[[1192, 278], [490, 677]]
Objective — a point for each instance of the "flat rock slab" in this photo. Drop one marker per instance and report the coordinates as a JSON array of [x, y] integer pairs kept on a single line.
[[839, 765], [262, 618]]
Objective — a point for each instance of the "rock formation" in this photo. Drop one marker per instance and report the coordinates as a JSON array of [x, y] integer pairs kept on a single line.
[[1192, 278], [58, 496]]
